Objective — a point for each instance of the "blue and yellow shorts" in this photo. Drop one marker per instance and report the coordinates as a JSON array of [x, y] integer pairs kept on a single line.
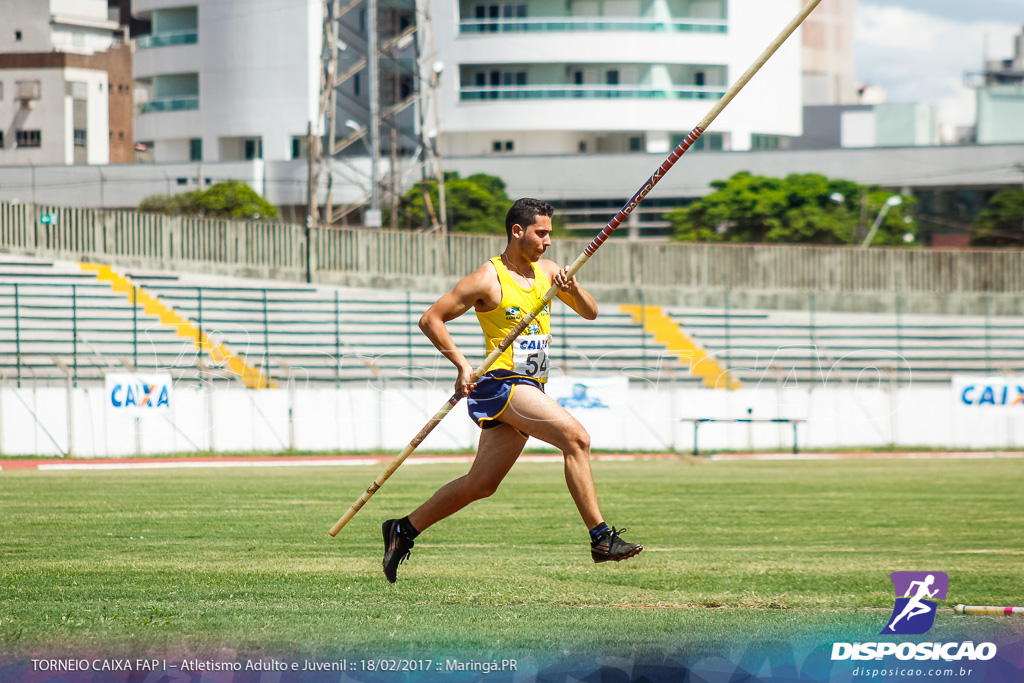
[[492, 395]]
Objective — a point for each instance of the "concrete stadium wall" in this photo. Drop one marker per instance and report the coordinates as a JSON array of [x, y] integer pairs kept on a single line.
[[34, 421], [752, 276]]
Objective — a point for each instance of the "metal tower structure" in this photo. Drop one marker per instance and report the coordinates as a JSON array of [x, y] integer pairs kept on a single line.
[[377, 81]]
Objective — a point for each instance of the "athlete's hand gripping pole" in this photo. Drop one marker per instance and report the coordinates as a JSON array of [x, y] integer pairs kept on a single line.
[[571, 271]]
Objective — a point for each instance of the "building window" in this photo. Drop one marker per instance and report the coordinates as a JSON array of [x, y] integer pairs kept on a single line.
[[1, 139], [195, 149], [708, 141], [80, 137], [120, 135], [496, 146], [298, 148], [760, 141], [28, 138], [356, 85], [17, 36], [253, 149], [582, 147], [635, 143], [509, 146]]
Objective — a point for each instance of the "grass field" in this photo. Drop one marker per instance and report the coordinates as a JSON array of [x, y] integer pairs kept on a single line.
[[238, 561]]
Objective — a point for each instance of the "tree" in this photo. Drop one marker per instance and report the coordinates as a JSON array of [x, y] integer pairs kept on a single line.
[[798, 209], [476, 204], [1002, 222], [231, 199]]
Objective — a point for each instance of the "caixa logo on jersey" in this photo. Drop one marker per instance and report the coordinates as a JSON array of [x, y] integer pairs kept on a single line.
[[129, 392]]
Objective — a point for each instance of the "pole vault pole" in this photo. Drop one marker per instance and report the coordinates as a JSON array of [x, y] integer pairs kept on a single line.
[[571, 271]]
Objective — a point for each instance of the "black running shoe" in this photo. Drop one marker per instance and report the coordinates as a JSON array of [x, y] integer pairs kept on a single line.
[[396, 549], [610, 547]]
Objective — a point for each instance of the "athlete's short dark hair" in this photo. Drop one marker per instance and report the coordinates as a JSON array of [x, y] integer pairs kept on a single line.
[[525, 212]]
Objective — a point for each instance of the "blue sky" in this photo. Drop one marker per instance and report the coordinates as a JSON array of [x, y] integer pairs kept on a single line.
[[919, 50]]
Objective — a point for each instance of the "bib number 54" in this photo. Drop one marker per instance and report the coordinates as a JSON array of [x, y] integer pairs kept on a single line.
[[537, 363]]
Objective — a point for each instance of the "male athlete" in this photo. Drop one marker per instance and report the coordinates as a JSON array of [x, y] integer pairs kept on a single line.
[[509, 402]]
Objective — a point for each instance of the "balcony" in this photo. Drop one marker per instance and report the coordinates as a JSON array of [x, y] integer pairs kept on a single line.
[[570, 24], [168, 39], [562, 92], [170, 104]]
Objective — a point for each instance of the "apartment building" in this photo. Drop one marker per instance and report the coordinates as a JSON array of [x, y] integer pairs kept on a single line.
[[606, 76], [227, 80], [1000, 97], [65, 84]]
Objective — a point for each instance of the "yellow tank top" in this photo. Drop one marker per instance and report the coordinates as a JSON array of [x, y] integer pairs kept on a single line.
[[528, 354]]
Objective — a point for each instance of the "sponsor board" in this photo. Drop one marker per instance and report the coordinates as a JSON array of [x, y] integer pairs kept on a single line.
[[988, 392], [136, 392]]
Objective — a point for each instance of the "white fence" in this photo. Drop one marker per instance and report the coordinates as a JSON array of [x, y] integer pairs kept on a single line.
[[35, 420]]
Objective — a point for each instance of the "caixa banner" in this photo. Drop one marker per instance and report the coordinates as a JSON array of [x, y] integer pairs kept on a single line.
[[138, 392], [981, 392]]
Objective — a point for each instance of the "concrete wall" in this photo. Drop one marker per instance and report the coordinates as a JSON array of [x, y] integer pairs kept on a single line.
[[32, 19], [34, 421]]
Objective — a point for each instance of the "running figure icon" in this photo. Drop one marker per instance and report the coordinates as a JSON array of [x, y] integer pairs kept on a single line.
[[915, 606]]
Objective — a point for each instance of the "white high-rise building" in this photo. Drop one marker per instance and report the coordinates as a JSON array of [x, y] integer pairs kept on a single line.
[[228, 80], [584, 76]]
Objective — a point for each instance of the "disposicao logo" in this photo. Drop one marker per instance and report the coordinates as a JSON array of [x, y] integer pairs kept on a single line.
[[913, 613]]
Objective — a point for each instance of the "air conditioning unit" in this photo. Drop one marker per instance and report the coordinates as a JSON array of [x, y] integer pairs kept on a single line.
[[27, 92]]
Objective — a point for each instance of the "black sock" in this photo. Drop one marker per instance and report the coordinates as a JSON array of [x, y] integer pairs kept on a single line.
[[406, 530], [597, 532]]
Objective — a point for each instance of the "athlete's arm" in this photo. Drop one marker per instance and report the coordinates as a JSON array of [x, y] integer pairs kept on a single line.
[[572, 294], [472, 290]]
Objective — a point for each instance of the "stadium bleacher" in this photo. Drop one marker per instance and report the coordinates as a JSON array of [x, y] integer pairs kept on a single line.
[[54, 313], [59, 320], [820, 347]]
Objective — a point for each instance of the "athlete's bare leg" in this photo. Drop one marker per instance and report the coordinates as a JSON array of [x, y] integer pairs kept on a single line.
[[498, 450], [535, 413]]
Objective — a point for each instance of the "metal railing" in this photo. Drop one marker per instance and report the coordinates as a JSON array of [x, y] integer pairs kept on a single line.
[[168, 39], [170, 104], [324, 337], [559, 92], [283, 332], [537, 24]]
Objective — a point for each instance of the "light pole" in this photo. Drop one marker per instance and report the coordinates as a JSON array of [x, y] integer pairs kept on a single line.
[[435, 77], [372, 218], [892, 201]]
